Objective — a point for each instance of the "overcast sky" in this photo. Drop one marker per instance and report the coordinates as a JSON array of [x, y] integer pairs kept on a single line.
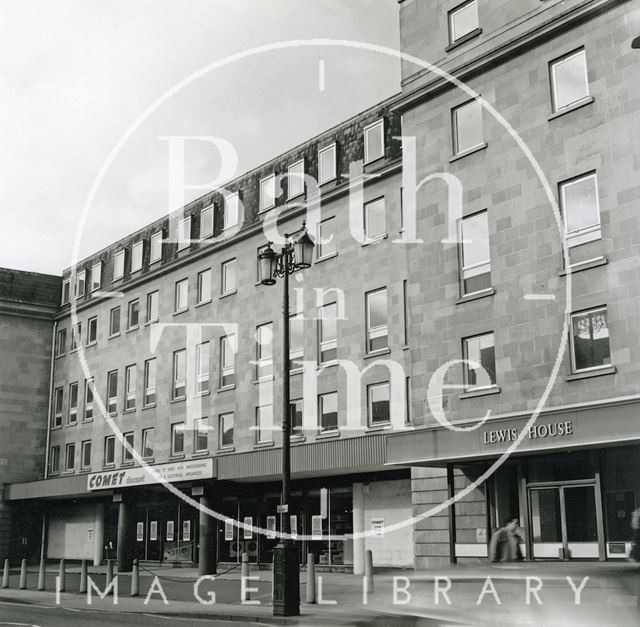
[[75, 74]]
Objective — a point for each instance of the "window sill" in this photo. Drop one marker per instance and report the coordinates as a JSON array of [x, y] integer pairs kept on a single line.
[[69, 472], [483, 392], [226, 388], [227, 294], [377, 428], [297, 197], [127, 464], [109, 466], [150, 406], [476, 296], [584, 265], [297, 439], [84, 471], [464, 39], [226, 449], [60, 355], [148, 460], [87, 420], [372, 162], [175, 457], [113, 414], [204, 393], [259, 445], [180, 311], [199, 454], [328, 364], [204, 302], [129, 411], [594, 372], [263, 379], [154, 261], [148, 323], [378, 353], [374, 240], [295, 372], [327, 257], [182, 399], [573, 107], [111, 337], [328, 435], [130, 329], [90, 344], [72, 424], [469, 151]]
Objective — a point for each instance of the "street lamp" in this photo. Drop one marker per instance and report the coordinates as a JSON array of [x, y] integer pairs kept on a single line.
[[296, 254]]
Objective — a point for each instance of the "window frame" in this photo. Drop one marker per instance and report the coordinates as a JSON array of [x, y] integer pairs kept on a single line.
[[583, 312], [230, 205], [87, 405], [296, 176], [270, 179], [553, 65], [133, 310], [321, 401], [464, 269], [297, 431], [198, 432], [320, 254], [81, 284], [296, 352], [465, 356], [377, 125], [72, 411], [333, 147], [455, 128], [84, 446], [370, 390], [127, 457], [149, 387], [58, 407], [221, 430], [130, 387], [177, 292], [325, 345], [199, 285], [151, 296], [92, 323], [177, 434], [593, 232], [264, 353], [70, 459], [112, 318], [365, 218], [379, 331], [54, 460], [119, 261], [203, 378], [155, 244], [148, 434], [65, 297], [61, 342], [76, 337], [450, 21], [260, 428], [227, 370], [137, 256], [109, 442], [177, 382], [112, 401], [184, 243], [96, 283], [224, 289], [206, 213]]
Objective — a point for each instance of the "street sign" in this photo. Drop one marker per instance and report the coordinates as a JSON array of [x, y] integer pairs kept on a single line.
[[282, 509]]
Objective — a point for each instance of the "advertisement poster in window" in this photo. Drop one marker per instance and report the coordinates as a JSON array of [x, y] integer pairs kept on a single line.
[[293, 521], [248, 532], [170, 531], [377, 526], [140, 531], [271, 527], [153, 530], [228, 530], [316, 527]]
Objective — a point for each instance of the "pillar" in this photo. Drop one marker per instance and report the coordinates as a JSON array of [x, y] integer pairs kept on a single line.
[[358, 529], [125, 562], [207, 546], [98, 535]]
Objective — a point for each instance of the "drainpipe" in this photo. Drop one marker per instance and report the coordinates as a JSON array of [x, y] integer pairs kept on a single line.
[[53, 349]]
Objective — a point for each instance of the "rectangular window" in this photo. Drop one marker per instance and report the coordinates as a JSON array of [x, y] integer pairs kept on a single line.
[[65, 291], [227, 360], [133, 314], [231, 211], [202, 367], [463, 20], [179, 374], [81, 283], [405, 313], [88, 399], [54, 462], [467, 127], [118, 265], [225, 429], [377, 320], [177, 438], [378, 404], [590, 340], [153, 313], [326, 241], [296, 410], [130, 387], [73, 403], [264, 423], [296, 342], [264, 350], [328, 332], [110, 450], [268, 192], [76, 336], [155, 247], [374, 219], [480, 362], [70, 457], [96, 276], [204, 286], [58, 397], [182, 295], [150, 381], [475, 257], [228, 277], [328, 411], [201, 435], [127, 451], [581, 210], [327, 164], [61, 342], [85, 455], [569, 80], [136, 256], [92, 331], [112, 391], [114, 322], [295, 179], [206, 222], [184, 233], [147, 443], [374, 141]]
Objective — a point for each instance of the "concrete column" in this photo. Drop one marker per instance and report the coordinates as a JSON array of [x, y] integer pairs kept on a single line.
[[98, 535], [358, 528], [124, 554], [207, 548]]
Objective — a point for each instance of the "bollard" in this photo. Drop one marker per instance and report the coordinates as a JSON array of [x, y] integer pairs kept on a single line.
[[5, 574], [245, 573], [61, 576], [83, 577], [368, 570], [23, 574], [311, 578], [41, 574], [135, 579]]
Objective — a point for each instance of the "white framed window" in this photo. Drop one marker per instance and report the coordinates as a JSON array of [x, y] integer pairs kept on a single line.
[[61, 342], [374, 219], [72, 419], [204, 286], [136, 256], [295, 179], [590, 340], [480, 362], [467, 127], [133, 314], [227, 360], [328, 333], [118, 265], [231, 211], [376, 304], [127, 447], [54, 460], [475, 256], [88, 400], [296, 342], [147, 443], [110, 450], [326, 240], [228, 277], [569, 80], [268, 192], [66, 289], [184, 233], [112, 392], [114, 322], [374, 141], [81, 283], [155, 247], [206, 222], [92, 331], [96, 276], [202, 367], [130, 387], [581, 209], [70, 457], [150, 382], [378, 404], [328, 411], [153, 307], [463, 20], [177, 438], [179, 389], [76, 336], [58, 397], [201, 435], [327, 164], [85, 455], [181, 295], [264, 424], [225, 430], [264, 351], [296, 412]]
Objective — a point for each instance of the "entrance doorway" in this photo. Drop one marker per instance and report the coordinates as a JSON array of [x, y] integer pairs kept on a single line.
[[565, 521]]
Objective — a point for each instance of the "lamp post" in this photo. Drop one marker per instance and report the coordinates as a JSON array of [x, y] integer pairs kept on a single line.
[[296, 254]]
